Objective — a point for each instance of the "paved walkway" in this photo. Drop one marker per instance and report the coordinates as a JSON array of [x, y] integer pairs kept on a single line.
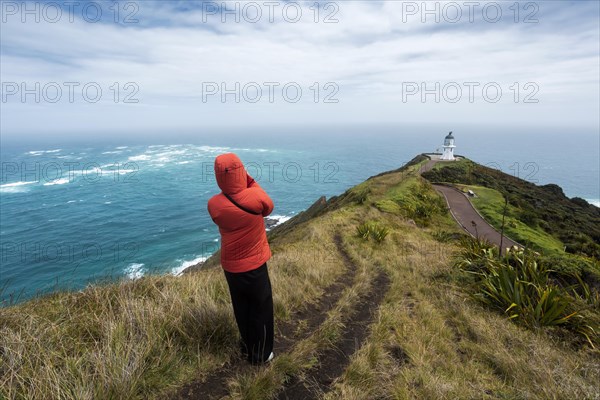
[[465, 214], [428, 165]]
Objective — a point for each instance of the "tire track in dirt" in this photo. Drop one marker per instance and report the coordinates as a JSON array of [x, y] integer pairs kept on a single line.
[[215, 386], [333, 362], [315, 314]]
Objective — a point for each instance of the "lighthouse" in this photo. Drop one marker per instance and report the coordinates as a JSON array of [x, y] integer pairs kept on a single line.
[[449, 146]]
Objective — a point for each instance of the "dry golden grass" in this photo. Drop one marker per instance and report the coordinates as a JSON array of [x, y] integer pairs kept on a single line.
[[431, 341], [136, 339], [146, 338], [267, 382], [117, 341]]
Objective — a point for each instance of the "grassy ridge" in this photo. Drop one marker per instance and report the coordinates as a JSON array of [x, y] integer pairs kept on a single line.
[[428, 337]]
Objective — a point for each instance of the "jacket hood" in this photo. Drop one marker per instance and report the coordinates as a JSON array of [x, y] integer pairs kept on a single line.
[[230, 173]]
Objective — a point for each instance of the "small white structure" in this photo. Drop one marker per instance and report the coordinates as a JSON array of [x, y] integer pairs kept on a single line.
[[449, 146]]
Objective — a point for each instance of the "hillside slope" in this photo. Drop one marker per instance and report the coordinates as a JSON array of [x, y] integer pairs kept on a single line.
[[368, 305], [572, 224]]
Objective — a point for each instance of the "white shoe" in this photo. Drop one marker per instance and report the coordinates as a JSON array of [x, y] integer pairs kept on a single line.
[[271, 356]]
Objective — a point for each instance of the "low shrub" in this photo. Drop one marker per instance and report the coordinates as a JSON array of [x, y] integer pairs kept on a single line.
[[475, 254], [364, 231], [372, 230], [379, 233], [524, 286], [420, 203], [446, 236]]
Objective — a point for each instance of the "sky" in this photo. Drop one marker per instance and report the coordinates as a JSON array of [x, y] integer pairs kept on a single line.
[[133, 67]]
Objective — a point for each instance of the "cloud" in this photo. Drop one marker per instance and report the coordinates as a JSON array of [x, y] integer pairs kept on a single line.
[[370, 54]]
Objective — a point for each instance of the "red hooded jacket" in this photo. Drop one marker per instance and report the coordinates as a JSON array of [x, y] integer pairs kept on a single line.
[[244, 244]]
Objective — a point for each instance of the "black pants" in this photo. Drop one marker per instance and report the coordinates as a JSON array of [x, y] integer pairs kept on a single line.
[[253, 308]]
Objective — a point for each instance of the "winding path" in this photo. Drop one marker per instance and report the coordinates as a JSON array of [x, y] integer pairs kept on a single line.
[[215, 386], [465, 214], [334, 360]]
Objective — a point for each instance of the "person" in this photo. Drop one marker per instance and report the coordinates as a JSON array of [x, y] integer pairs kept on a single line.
[[238, 211]]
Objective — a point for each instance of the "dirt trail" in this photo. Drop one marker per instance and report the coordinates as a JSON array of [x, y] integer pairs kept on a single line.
[[215, 386], [333, 362]]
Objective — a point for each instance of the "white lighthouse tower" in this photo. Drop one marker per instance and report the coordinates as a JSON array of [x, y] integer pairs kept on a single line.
[[449, 146]]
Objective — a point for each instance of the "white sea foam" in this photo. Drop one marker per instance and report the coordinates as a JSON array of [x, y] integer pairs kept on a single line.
[[108, 202], [184, 162], [134, 271], [95, 170], [60, 181], [171, 153], [72, 201], [141, 157], [15, 187], [280, 218], [122, 147], [40, 152], [213, 149], [111, 169], [186, 264], [13, 184], [126, 171], [160, 159], [112, 152]]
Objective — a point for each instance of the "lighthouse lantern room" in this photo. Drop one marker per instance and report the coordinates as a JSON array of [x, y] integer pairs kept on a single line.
[[449, 146]]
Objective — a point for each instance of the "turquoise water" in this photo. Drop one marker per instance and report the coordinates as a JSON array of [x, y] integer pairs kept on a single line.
[[73, 214]]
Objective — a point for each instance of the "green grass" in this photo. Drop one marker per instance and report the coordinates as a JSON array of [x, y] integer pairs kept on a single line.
[[490, 204], [462, 164], [574, 222], [415, 199]]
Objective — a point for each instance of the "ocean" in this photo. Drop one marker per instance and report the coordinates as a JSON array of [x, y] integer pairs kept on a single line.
[[76, 213]]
